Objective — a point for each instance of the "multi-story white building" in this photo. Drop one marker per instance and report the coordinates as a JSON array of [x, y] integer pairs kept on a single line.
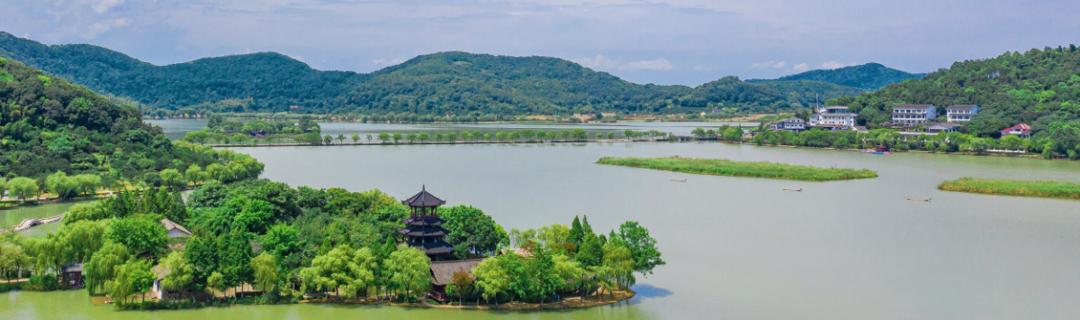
[[961, 112], [913, 114], [792, 124], [837, 117]]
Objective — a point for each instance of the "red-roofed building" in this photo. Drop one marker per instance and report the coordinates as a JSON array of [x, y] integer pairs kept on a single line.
[[1020, 129]]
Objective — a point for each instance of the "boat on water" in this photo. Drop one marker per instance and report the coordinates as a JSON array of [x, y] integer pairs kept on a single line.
[[678, 180], [793, 189]]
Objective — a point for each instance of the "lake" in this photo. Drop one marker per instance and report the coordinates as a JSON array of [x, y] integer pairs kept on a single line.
[[176, 128], [736, 248]]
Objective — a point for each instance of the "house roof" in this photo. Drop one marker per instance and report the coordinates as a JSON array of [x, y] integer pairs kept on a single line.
[[1019, 126], [424, 199], [442, 272], [913, 106], [75, 267], [172, 225], [962, 107]]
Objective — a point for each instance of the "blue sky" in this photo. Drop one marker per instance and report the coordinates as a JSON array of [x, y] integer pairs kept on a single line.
[[645, 41]]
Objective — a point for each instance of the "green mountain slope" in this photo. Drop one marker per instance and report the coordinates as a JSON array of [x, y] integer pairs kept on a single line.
[[48, 124], [437, 84], [462, 82], [870, 76], [1039, 87], [259, 81]]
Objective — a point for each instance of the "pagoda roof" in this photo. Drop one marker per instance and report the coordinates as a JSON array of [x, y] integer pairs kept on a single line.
[[423, 199]]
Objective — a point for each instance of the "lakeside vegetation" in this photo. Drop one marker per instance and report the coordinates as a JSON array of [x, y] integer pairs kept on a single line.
[[722, 167], [427, 136], [62, 141], [1021, 188], [1049, 144], [290, 244]]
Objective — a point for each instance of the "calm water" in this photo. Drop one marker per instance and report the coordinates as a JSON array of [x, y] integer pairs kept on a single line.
[[176, 128], [12, 217], [737, 248]]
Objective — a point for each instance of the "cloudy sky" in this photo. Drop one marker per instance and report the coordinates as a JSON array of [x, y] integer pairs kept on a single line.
[[657, 41]]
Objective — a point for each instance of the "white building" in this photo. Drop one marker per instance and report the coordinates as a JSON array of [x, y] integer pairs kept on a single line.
[[836, 117], [792, 124], [913, 114], [961, 112]]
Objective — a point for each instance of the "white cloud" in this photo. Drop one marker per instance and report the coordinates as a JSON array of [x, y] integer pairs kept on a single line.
[[833, 64], [386, 62], [602, 62], [769, 64], [102, 6], [651, 65], [105, 25], [800, 67]]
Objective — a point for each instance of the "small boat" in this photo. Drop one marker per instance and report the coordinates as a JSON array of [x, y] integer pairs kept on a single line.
[[920, 199], [793, 189], [678, 180]]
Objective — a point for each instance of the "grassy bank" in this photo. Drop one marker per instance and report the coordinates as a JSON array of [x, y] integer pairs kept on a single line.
[[722, 167], [1022, 188]]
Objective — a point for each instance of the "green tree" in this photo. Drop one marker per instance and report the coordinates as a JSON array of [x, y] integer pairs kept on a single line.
[[642, 246], [461, 285], [132, 277], [217, 281], [472, 232], [173, 179], [143, 236], [409, 270], [618, 264], [181, 273], [267, 274], [103, 264], [492, 279], [195, 174], [62, 185], [88, 184]]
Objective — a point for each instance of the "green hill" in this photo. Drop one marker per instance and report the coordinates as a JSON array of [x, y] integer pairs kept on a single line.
[[870, 76], [259, 81], [48, 124], [1039, 87], [436, 84]]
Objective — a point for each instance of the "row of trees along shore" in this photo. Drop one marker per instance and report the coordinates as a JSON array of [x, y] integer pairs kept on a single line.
[[290, 244], [225, 166], [1061, 140], [433, 136]]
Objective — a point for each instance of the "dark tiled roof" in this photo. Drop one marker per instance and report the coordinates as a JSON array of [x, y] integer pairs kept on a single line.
[[424, 199], [913, 106], [443, 272], [961, 107]]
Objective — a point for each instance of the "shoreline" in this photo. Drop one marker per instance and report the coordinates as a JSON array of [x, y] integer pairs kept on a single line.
[[679, 139]]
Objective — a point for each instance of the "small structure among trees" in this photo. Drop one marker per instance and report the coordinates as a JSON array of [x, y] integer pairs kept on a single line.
[[423, 229]]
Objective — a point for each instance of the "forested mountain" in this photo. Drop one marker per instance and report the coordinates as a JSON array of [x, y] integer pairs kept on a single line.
[[870, 76], [1039, 87], [48, 125], [248, 82], [436, 84]]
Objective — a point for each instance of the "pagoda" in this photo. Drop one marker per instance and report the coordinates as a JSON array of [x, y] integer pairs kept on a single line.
[[423, 229]]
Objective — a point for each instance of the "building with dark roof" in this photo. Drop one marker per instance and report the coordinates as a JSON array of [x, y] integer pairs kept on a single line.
[[961, 112], [423, 229]]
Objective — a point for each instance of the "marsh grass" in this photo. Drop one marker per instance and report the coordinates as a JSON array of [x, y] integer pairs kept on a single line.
[[723, 167], [1022, 188]]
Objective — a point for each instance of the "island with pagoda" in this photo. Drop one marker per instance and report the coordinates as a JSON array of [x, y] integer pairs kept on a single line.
[[566, 278], [261, 241]]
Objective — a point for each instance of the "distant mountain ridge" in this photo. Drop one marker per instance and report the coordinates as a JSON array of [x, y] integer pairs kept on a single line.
[[869, 76], [435, 84]]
